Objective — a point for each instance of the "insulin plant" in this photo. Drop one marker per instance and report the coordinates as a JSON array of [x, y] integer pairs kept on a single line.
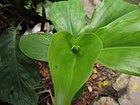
[[112, 37]]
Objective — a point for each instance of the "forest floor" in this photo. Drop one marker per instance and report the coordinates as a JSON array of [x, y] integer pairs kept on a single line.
[[99, 84], [104, 87]]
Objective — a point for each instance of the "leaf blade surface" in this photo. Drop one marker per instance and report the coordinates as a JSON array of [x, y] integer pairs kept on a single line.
[[18, 74], [69, 69]]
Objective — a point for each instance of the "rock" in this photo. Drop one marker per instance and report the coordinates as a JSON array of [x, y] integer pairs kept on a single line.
[[133, 92], [125, 100], [89, 6], [37, 28], [105, 101], [96, 2], [121, 82]]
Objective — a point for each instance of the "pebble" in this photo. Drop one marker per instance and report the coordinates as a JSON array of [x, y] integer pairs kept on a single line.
[[105, 101], [89, 6], [132, 96], [121, 82]]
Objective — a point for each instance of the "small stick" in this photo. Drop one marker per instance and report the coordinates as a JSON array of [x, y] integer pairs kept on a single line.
[[47, 91]]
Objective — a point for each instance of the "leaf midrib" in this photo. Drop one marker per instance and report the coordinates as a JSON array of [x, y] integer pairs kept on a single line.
[[16, 59]]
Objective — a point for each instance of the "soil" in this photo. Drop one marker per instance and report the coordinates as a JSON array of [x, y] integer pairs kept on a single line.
[[99, 84]]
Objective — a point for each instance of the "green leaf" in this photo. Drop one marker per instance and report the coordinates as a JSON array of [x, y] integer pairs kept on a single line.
[[126, 60], [107, 12], [35, 46], [123, 32], [18, 74], [71, 61], [121, 43], [68, 16]]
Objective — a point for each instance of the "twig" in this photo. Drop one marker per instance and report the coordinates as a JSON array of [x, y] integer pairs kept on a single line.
[[43, 99], [47, 91], [3, 6]]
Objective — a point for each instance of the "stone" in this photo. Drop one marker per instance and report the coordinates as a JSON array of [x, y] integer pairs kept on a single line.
[[105, 101], [37, 29], [89, 6], [96, 2], [121, 82], [125, 100], [133, 92]]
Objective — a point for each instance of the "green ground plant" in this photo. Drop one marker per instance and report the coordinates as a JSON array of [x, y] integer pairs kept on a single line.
[[111, 38]]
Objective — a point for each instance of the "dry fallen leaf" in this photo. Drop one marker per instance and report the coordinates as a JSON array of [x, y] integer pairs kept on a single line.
[[44, 72], [105, 83], [94, 71], [94, 76], [90, 88]]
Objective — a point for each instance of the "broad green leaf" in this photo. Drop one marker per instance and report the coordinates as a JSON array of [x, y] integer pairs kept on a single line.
[[18, 74], [121, 43], [35, 46], [71, 61], [68, 16], [123, 32], [107, 12], [126, 60]]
